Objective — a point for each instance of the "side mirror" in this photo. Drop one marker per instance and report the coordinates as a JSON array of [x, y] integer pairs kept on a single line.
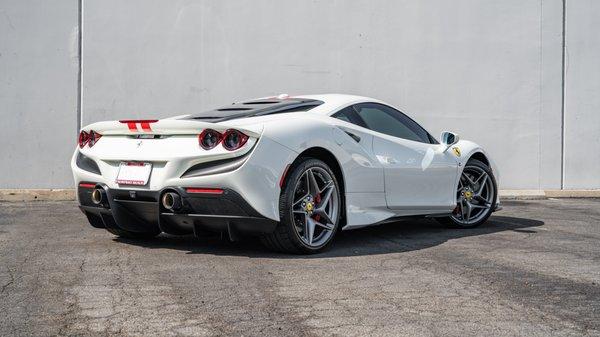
[[448, 139]]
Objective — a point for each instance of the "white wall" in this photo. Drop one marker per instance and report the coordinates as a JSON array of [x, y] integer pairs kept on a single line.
[[489, 70], [582, 95], [38, 92]]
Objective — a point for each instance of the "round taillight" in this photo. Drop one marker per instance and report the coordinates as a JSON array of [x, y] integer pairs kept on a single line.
[[93, 137], [234, 139], [209, 138], [84, 137]]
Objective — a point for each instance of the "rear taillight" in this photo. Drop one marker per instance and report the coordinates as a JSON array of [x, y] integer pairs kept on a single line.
[[234, 139], [90, 138], [84, 137], [209, 138], [94, 136]]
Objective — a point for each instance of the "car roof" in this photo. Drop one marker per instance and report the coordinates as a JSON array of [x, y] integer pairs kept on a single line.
[[336, 98], [333, 102]]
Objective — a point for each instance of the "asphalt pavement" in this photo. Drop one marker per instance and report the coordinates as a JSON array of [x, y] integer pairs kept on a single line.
[[532, 269]]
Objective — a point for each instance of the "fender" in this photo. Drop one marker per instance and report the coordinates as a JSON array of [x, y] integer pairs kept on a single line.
[[467, 150], [362, 172]]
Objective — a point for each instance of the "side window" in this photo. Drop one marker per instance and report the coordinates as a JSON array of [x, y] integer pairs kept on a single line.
[[384, 119], [349, 115]]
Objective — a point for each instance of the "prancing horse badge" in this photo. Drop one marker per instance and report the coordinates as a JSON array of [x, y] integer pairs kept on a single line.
[[456, 151]]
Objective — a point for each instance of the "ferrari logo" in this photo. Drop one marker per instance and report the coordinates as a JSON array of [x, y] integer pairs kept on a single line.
[[456, 151], [469, 195]]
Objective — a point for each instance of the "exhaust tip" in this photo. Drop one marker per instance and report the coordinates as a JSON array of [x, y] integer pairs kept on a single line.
[[171, 201], [98, 196]]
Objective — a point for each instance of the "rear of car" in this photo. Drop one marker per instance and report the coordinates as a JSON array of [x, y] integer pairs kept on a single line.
[[183, 175]]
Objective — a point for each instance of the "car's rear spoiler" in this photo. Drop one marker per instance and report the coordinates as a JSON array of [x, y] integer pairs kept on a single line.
[[161, 127]]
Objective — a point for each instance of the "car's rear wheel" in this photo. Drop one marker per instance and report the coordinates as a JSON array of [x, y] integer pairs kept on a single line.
[[476, 196], [310, 209]]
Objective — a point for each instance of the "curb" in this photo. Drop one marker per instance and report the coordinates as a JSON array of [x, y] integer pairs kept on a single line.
[[545, 194], [37, 194], [16, 195], [521, 194], [573, 193]]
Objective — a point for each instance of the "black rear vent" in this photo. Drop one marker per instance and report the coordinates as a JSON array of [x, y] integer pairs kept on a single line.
[[234, 109], [256, 108], [86, 163], [216, 166]]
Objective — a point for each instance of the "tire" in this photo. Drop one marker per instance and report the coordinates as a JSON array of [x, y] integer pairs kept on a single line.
[[454, 221], [132, 235], [292, 233]]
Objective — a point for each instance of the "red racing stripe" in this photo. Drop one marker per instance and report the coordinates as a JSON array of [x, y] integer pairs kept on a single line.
[[146, 126]]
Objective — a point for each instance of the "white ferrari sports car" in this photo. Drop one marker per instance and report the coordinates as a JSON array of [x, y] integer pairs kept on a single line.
[[292, 170]]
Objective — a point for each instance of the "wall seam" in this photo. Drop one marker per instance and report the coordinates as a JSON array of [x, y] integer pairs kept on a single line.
[[540, 93], [563, 95], [80, 61]]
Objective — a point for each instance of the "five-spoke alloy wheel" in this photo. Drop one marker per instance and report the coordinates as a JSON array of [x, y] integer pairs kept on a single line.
[[475, 196], [310, 209], [316, 204]]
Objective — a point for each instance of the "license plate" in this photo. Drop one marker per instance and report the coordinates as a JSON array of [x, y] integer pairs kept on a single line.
[[134, 173]]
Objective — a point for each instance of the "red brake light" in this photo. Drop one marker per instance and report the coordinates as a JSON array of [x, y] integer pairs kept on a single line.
[[84, 137], [234, 139], [204, 190], [87, 185], [209, 138], [93, 137]]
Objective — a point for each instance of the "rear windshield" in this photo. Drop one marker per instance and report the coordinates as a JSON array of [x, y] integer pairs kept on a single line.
[[256, 108]]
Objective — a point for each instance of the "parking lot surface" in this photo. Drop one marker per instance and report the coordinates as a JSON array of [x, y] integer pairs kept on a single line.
[[532, 269]]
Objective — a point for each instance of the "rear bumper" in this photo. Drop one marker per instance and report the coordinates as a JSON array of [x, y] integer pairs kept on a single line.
[[256, 180], [141, 211]]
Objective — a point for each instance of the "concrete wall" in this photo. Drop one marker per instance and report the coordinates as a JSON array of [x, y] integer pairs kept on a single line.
[[582, 95], [38, 92], [490, 70]]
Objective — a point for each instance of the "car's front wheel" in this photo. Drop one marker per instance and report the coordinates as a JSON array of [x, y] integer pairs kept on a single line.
[[310, 209], [475, 196]]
